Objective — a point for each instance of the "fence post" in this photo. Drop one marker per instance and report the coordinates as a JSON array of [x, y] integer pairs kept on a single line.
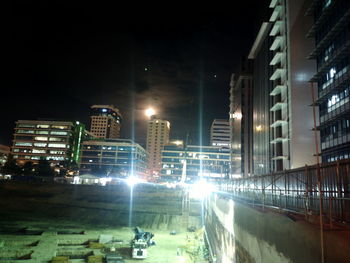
[[306, 194], [340, 196]]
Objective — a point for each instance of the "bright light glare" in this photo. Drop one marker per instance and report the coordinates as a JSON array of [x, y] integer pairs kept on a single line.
[[201, 189], [131, 181], [150, 112]]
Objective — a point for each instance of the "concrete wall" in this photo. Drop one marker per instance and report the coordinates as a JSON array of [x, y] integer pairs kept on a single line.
[[240, 233]]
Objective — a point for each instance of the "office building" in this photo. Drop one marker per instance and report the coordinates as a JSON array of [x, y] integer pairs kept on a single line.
[[271, 118], [113, 157], [331, 33], [55, 141], [220, 134], [105, 121], [291, 119], [157, 136], [193, 162], [261, 55], [241, 121], [4, 152]]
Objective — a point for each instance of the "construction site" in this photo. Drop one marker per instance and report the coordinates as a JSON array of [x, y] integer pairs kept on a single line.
[[44, 222]]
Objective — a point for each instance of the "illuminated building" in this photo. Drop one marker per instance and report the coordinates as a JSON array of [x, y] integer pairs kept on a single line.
[[277, 131], [331, 32], [220, 134], [55, 141], [261, 54], [105, 121], [157, 136], [201, 161], [113, 157], [241, 121], [291, 119], [4, 152]]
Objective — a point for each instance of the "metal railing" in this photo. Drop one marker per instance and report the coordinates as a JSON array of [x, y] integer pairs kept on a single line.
[[301, 190]]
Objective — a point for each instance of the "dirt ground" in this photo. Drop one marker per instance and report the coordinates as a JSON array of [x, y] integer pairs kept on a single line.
[[38, 222]]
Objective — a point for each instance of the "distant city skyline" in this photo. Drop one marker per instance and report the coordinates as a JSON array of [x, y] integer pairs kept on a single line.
[[60, 67]]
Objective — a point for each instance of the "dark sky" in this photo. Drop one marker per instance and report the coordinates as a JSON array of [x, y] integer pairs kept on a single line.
[[67, 55]]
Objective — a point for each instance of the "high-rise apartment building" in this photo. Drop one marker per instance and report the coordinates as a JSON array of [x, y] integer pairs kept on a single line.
[[105, 121], [157, 136], [331, 32], [54, 141], [220, 134]]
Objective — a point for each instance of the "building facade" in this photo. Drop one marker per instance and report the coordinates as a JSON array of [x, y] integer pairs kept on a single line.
[[113, 157], [331, 32], [158, 131], [241, 121], [220, 134], [105, 121], [55, 141], [291, 123], [260, 54], [192, 162]]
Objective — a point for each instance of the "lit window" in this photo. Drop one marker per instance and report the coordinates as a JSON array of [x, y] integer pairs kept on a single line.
[[62, 127], [39, 144], [57, 145], [333, 100], [54, 139], [57, 152], [42, 132], [38, 151], [26, 125], [59, 133], [43, 126], [40, 138], [23, 144], [25, 131]]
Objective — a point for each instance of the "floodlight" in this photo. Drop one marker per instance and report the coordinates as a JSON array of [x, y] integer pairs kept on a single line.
[[201, 189], [132, 180]]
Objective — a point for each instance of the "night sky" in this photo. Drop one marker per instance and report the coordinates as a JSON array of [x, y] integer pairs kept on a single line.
[[65, 56]]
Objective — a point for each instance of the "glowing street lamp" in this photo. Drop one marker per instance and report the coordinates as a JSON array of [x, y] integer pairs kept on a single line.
[[150, 112]]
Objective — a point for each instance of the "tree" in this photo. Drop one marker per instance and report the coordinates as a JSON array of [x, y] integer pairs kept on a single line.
[[11, 167], [44, 168], [27, 168]]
